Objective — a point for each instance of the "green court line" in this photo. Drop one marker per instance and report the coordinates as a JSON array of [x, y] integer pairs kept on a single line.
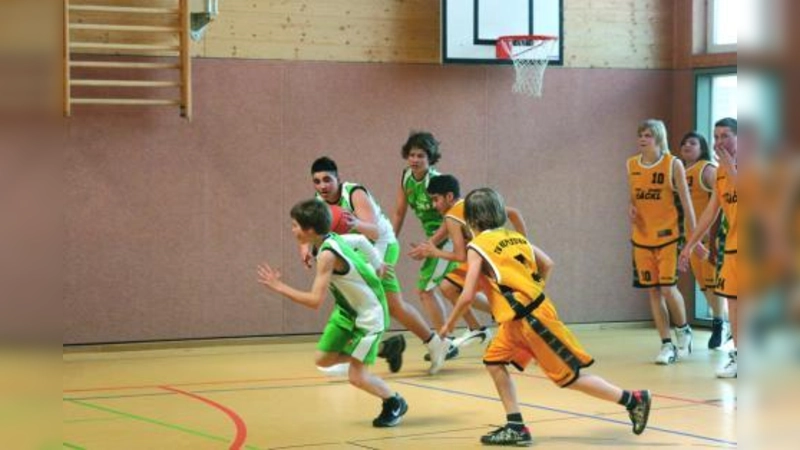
[[93, 419], [155, 422], [72, 446]]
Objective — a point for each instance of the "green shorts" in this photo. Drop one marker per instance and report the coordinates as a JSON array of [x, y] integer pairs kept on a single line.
[[390, 257], [342, 336], [433, 270]]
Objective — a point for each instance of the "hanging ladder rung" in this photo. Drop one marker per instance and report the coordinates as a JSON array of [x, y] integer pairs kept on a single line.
[[124, 65], [125, 83], [123, 47], [123, 9], [126, 101], [134, 28]]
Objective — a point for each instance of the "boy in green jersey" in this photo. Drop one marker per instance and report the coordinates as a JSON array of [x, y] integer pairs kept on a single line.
[[360, 315], [421, 152]]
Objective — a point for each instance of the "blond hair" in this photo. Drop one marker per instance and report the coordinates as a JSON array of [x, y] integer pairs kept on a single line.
[[484, 209], [659, 131]]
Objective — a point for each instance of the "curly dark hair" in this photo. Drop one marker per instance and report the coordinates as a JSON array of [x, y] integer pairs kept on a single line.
[[424, 141]]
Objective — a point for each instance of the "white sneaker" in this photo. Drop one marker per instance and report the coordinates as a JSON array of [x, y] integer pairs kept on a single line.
[[667, 355], [336, 370], [684, 338], [470, 337], [437, 348], [730, 369]]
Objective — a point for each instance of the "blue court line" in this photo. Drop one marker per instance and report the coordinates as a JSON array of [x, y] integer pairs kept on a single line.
[[571, 413]]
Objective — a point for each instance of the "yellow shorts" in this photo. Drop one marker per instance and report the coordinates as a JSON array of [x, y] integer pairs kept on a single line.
[[704, 272], [543, 337], [727, 285], [458, 275], [653, 267]]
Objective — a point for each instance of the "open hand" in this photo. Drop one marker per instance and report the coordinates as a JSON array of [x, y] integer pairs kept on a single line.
[[701, 251], [268, 276], [350, 219], [633, 214], [683, 259], [422, 250], [386, 271]]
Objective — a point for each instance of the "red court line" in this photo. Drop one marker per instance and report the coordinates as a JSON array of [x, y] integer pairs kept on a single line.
[[241, 427], [197, 383], [714, 403]]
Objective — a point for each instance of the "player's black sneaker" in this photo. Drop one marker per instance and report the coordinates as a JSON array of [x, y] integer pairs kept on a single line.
[[508, 436], [640, 410], [392, 351], [394, 408], [717, 328]]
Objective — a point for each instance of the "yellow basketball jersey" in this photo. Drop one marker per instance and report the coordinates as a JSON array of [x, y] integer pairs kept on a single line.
[[698, 190], [509, 260], [456, 212], [656, 201], [726, 193]]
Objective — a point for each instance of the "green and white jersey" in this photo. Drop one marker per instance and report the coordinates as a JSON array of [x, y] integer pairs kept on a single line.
[[358, 291], [420, 202], [386, 234]]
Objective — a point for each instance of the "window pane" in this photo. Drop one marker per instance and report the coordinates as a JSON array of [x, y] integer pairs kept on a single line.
[[725, 22], [723, 97]]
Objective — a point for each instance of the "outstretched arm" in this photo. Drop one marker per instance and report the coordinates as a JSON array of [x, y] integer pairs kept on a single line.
[[544, 263], [467, 294], [360, 243], [679, 180], [428, 249], [400, 207], [271, 278], [515, 217], [706, 219]]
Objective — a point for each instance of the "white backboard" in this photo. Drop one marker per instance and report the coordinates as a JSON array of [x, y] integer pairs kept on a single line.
[[470, 27]]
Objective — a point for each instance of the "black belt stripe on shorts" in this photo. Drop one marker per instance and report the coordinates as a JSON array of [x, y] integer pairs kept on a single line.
[[552, 341]]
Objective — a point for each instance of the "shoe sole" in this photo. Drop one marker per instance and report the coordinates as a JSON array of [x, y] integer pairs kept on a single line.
[[469, 341], [726, 377], [512, 444]]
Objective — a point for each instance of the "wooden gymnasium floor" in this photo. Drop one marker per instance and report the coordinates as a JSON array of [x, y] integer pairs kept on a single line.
[[267, 394]]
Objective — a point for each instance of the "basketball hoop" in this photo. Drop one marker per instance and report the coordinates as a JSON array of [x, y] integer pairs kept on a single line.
[[530, 55]]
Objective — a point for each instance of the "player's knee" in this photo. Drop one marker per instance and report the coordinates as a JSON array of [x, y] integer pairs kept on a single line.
[[325, 359], [357, 378], [669, 291], [449, 290], [494, 369]]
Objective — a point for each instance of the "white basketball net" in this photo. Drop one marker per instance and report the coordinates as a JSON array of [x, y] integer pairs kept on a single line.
[[530, 58]]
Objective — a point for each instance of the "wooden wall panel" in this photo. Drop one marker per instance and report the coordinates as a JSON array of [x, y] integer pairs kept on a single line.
[[598, 33], [618, 33], [338, 30]]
